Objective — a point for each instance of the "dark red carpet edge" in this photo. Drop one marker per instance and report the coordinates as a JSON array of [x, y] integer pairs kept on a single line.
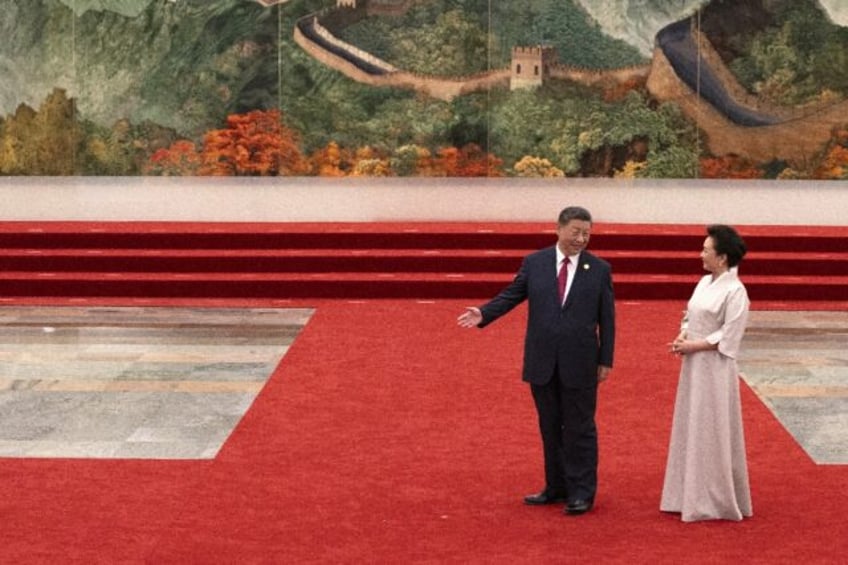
[[387, 227], [389, 435]]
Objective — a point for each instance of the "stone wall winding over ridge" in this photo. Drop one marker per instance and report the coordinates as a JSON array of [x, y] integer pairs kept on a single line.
[[793, 134], [313, 35]]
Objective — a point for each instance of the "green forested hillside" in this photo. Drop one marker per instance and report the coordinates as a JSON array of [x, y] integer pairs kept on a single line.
[[457, 37], [788, 52]]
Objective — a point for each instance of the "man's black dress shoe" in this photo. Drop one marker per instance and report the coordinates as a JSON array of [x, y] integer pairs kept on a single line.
[[579, 506], [545, 497]]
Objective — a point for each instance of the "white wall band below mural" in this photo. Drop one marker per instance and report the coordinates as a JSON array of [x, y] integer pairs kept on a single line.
[[242, 199]]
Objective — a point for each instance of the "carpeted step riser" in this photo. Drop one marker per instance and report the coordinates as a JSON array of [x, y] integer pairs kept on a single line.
[[814, 266], [365, 289], [399, 240]]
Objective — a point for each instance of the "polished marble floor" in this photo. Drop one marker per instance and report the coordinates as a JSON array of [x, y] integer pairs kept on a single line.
[[137, 382], [797, 363], [172, 383]]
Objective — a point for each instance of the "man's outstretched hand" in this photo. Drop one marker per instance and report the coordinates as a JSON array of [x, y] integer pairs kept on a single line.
[[471, 318]]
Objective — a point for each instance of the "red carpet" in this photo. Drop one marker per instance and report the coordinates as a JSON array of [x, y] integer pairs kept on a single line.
[[389, 435]]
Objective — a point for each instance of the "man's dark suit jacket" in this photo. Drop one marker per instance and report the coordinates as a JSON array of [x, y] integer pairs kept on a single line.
[[576, 337]]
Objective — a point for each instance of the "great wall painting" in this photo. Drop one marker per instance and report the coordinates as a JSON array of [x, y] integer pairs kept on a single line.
[[358, 88]]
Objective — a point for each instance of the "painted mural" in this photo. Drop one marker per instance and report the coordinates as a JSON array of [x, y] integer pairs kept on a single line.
[[425, 88]]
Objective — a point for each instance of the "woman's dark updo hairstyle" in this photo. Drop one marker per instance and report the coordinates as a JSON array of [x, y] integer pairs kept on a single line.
[[727, 242]]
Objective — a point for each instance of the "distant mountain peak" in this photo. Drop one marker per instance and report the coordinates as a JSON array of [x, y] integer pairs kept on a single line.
[[837, 10], [638, 21]]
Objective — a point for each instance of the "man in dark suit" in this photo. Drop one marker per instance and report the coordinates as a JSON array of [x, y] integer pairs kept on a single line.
[[568, 350]]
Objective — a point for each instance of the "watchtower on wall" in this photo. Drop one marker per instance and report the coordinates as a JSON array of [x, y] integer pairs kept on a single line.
[[531, 65]]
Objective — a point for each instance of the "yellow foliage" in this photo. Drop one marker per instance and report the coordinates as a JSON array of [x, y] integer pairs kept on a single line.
[[630, 170], [536, 167], [371, 168]]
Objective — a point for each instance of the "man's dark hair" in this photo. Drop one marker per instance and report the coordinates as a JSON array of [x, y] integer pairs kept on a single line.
[[574, 213], [727, 242]]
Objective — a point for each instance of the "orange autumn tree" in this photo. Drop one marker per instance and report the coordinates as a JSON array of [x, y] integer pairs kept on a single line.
[[834, 165], [332, 161], [253, 144], [180, 159], [729, 167], [470, 161]]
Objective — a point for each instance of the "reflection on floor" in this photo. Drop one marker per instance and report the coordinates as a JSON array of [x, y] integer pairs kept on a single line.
[[797, 363], [144, 383]]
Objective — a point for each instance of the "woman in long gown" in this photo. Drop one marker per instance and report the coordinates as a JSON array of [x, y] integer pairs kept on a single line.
[[706, 475]]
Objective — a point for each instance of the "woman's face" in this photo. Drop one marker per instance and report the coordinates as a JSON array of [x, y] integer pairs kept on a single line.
[[713, 263]]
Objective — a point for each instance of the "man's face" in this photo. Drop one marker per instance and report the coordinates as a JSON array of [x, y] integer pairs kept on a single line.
[[573, 237]]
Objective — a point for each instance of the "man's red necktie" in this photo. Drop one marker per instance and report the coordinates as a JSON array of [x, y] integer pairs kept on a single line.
[[562, 278]]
